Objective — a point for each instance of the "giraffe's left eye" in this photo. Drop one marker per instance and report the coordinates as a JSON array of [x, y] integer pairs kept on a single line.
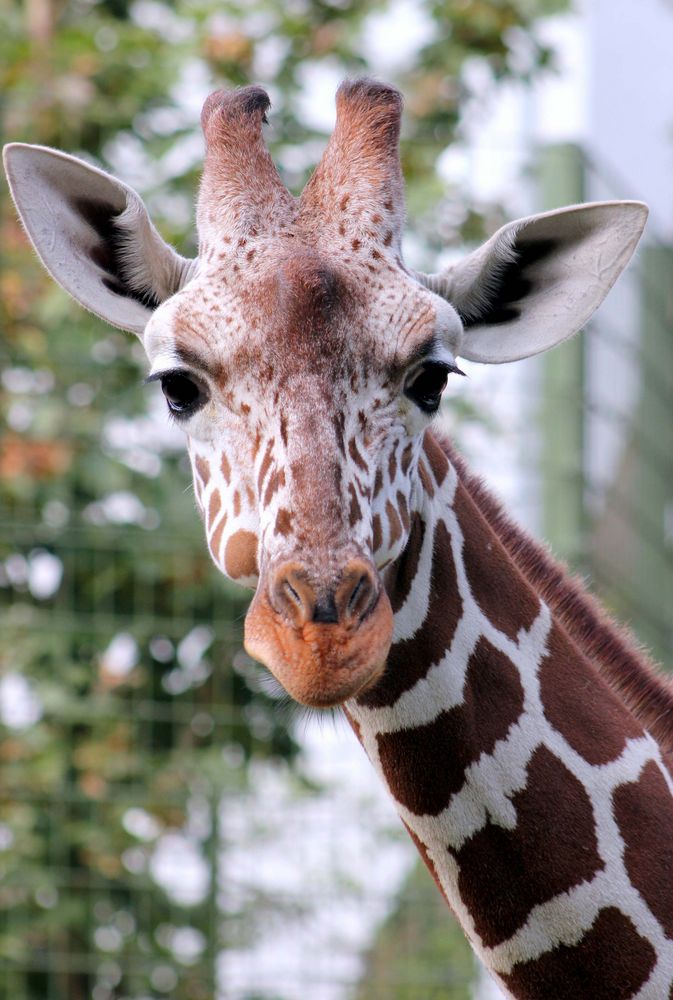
[[426, 385], [182, 394]]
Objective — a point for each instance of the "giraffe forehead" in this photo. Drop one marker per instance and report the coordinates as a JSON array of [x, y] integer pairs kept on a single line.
[[293, 310]]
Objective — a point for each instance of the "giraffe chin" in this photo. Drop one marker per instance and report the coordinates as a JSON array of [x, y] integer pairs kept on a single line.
[[321, 665]]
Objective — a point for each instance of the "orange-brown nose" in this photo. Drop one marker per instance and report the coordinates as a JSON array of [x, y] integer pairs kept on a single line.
[[325, 641], [301, 600]]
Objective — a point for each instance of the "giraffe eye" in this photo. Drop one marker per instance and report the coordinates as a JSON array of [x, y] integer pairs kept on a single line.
[[427, 384], [182, 394]]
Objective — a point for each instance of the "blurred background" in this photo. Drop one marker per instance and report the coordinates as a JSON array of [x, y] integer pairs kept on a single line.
[[168, 828]]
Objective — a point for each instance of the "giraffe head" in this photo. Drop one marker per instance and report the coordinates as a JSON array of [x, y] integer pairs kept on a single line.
[[304, 360]]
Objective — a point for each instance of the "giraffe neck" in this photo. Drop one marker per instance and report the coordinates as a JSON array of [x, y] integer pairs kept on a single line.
[[540, 803]]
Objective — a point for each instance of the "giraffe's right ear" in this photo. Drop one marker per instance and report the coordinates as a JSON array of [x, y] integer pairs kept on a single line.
[[94, 235]]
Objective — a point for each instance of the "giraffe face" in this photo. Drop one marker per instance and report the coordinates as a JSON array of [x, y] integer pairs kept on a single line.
[[304, 362], [304, 386]]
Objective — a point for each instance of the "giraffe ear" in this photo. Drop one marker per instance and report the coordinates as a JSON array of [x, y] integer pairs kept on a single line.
[[94, 235], [537, 281]]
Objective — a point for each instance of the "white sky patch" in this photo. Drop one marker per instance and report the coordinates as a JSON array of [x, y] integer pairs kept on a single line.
[[160, 18], [560, 99], [392, 38], [6, 837], [16, 569], [193, 669], [22, 380], [192, 89], [20, 707], [488, 162], [178, 866], [20, 416], [315, 103], [121, 655], [268, 56], [187, 944], [120, 507], [140, 441], [192, 648], [45, 573], [139, 823]]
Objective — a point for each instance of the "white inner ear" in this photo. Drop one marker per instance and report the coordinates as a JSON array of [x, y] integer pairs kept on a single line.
[[93, 235], [538, 281]]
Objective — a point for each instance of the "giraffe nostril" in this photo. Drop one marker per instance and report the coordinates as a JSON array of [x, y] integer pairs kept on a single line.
[[292, 593], [300, 601], [357, 592]]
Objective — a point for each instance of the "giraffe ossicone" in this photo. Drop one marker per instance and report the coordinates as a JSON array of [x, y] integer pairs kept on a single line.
[[525, 741]]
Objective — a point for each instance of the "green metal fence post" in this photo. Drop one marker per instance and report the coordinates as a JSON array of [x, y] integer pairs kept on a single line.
[[653, 453], [561, 182]]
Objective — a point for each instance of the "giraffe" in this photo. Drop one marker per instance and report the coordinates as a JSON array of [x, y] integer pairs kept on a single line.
[[525, 740]]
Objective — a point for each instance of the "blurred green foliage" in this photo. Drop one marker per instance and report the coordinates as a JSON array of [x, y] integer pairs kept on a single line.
[[119, 640], [420, 950]]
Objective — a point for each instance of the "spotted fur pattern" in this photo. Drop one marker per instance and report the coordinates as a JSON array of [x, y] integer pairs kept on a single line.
[[540, 803]]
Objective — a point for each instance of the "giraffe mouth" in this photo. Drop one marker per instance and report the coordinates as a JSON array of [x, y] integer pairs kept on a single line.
[[321, 664]]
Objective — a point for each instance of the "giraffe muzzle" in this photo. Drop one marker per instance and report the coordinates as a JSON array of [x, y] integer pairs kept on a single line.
[[324, 642]]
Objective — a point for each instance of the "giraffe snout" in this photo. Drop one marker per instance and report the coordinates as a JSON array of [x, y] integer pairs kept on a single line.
[[325, 641], [346, 602]]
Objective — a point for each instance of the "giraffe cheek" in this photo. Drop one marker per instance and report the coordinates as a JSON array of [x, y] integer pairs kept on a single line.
[[240, 556]]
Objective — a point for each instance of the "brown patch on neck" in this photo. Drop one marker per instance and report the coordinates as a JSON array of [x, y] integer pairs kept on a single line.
[[501, 592], [403, 573], [610, 962], [492, 703], [596, 725], [354, 511], [214, 543], [609, 646], [552, 848], [411, 659], [265, 464], [275, 482], [283, 525], [644, 813], [394, 523], [214, 506], [436, 456]]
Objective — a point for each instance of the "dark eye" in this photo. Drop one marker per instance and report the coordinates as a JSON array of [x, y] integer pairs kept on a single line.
[[427, 384], [182, 394]]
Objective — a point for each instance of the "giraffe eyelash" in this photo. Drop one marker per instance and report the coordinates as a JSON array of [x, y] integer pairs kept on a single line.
[[427, 382]]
